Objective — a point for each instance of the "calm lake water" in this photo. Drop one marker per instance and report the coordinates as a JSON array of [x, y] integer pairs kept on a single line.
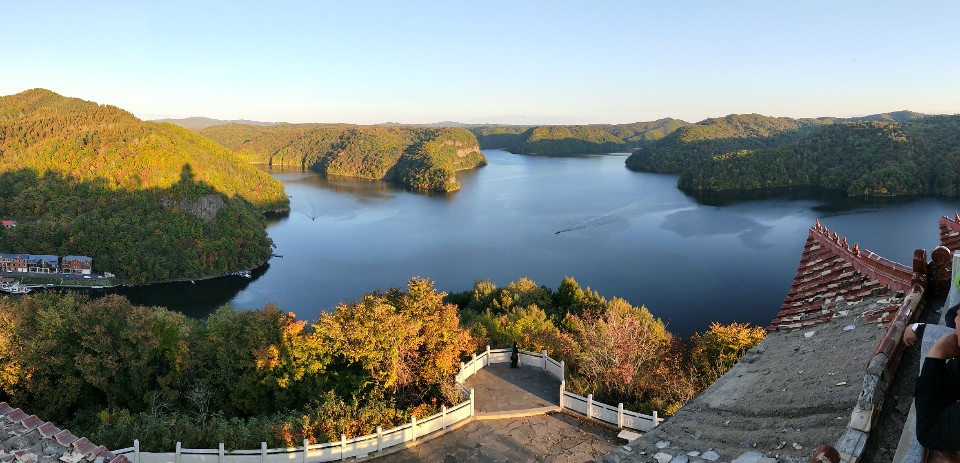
[[622, 233]]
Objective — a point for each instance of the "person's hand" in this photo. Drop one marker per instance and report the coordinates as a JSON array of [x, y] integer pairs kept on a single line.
[[909, 336], [945, 348]]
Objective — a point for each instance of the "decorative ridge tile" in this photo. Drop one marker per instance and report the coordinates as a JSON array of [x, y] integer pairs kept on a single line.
[[32, 422], [17, 415], [65, 437], [48, 430], [5, 409], [84, 446]]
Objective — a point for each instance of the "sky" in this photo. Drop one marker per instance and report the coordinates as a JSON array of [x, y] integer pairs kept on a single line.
[[490, 61]]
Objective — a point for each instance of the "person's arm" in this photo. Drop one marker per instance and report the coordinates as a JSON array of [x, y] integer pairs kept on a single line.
[[912, 333], [938, 413]]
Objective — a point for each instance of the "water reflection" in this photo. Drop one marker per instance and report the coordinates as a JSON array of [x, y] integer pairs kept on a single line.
[[691, 258], [695, 223]]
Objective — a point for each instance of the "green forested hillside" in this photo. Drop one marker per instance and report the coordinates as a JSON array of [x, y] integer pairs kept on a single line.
[[423, 158], [573, 139], [147, 201], [689, 144], [919, 156]]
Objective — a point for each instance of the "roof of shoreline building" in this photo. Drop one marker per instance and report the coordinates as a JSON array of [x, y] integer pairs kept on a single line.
[[28, 439], [799, 388]]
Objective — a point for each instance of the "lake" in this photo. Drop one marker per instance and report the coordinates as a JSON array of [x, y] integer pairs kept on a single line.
[[690, 260]]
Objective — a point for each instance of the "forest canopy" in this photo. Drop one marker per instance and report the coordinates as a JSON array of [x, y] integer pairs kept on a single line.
[[573, 139], [116, 372], [900, 153]]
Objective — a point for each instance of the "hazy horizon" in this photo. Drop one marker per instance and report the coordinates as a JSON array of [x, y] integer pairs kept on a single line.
[[527, 63]]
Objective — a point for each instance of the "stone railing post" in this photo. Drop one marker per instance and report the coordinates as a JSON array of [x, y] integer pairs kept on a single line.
[[620, 415], [220, 453], [563, 369], [472, 403], [343, 447], [544, 353], [136, 451], [589, 405], [379, 438], [306, 443], [263, 452], [176, 453], [563, 384], [443, 416], [474, 363], [413, 428], [656, 419], [488, 356]]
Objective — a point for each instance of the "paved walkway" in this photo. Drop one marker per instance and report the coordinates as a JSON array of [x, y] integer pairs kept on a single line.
[[556, 437], [499, 389]]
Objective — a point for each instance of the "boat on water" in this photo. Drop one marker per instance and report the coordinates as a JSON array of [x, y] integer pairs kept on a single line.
[[244, 273], [15, 288]]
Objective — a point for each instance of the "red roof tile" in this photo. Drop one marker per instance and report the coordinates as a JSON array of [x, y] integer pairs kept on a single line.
[[829, 268], [65, 437], [950, 232]]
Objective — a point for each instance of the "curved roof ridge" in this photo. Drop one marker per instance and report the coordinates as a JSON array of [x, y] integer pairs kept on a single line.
[[829, 270], [950, 232]]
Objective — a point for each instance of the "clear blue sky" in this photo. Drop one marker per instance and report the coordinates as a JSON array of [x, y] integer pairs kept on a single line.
[[514, 61]]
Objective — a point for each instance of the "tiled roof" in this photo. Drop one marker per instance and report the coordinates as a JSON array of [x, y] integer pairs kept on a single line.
[[830, 271], [28, 439], [950, 232]]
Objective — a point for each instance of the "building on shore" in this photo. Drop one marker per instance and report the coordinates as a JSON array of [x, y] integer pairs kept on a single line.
[[9, 223], [14, 263], [77, 265], [43, 263]]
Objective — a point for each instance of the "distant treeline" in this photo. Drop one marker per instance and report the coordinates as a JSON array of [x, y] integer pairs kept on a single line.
[[421, 158], [901, 153], [148, 201], [573, 139]]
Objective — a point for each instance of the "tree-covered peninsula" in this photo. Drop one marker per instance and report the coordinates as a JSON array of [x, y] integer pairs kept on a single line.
[[420, 158], [897, 153], [918, 156], [573, 139], [689, 144], [147, 201]]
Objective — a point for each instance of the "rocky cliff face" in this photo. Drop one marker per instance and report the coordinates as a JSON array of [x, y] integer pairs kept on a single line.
[[205, 207]]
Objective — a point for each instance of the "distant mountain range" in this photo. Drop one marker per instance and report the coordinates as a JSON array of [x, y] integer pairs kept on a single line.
[[200, 123]]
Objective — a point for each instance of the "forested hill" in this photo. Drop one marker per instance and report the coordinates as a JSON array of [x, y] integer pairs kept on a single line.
[[421, 158], [918, 156], [573, 139], [147, 201], [687, 145]]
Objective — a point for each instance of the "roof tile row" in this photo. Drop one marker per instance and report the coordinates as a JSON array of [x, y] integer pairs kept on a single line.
[[75, 448], [830, 272]]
